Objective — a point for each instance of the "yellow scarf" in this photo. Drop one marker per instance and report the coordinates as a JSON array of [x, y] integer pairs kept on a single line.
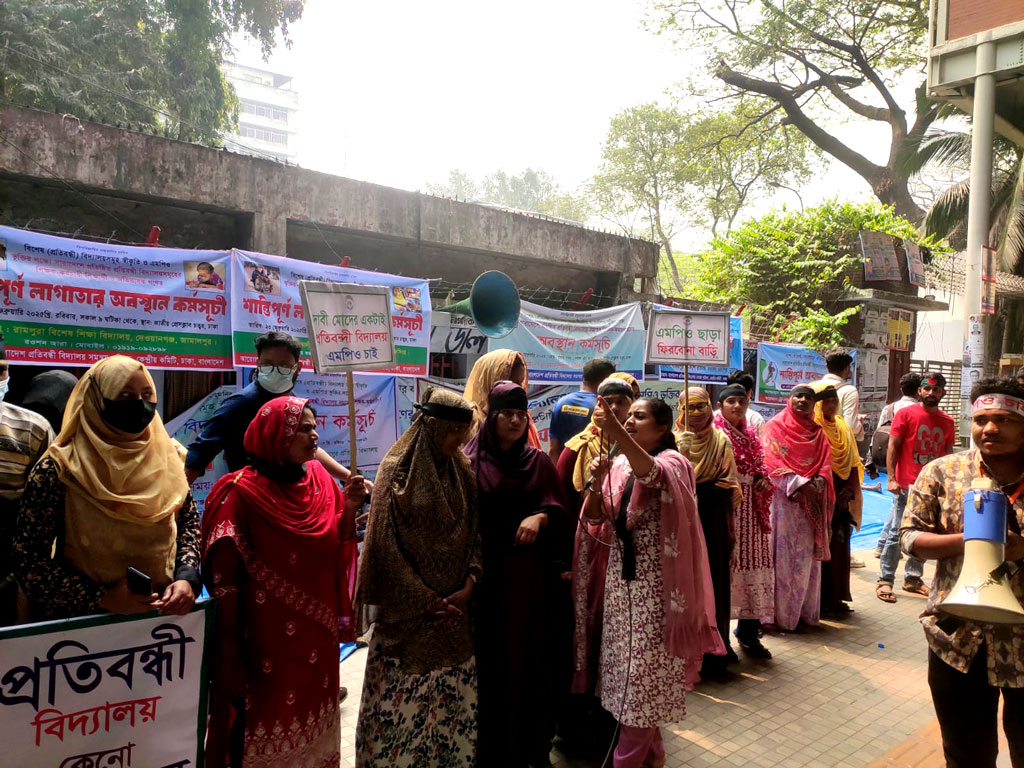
[[845, 457], [122, 492], [709, 450]]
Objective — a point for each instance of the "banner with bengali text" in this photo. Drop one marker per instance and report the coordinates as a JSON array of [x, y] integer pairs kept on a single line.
[[110, 691], [187, 426], [73, 302], [702, 374], [780, 367], [556, 343], [266, 298]]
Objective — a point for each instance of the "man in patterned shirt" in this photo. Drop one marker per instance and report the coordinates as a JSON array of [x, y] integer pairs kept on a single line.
[[970, 662]]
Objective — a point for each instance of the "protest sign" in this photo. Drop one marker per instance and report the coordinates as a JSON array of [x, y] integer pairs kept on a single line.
[[680, 337], [700, 374], [375, 410], [880, 251], [105, 691], [73, 302], [915, 264], [556, 343], [349, 326], [780, 367], [267, 299], [187, 426]]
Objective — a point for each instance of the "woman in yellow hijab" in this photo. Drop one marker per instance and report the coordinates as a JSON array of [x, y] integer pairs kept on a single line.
[[847, 474], [718, 496], [488, 370], [111, 491]]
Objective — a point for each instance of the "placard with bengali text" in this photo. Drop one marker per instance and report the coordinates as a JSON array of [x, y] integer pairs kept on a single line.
[[349, 326], [681, 337]]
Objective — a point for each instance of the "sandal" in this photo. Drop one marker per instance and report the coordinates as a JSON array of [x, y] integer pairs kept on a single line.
[[916, 587], [884, 593]]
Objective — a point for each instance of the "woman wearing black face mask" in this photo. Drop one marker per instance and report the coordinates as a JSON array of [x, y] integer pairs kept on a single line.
[[111, 490]]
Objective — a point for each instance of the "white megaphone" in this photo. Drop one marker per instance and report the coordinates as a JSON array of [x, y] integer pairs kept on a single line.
[[983, 593]]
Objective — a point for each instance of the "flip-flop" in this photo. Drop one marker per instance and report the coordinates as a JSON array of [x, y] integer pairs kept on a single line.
[[884, 593], [917, 588]]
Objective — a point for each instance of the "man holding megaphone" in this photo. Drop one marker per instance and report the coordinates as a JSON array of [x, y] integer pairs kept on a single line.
[[974, 621]]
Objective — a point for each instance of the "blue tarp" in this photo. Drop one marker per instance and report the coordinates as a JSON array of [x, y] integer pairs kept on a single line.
[[876, 509]]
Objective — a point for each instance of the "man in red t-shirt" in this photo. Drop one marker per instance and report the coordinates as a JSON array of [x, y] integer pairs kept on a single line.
[[919, 434]]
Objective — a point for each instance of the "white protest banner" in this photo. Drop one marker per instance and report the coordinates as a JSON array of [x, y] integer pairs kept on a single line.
[[780, 367], [349, 326], [105, 691], [541, 405], [681, 337], [405, 397], [267, 298], [73, 302], [556, 343], [375, 410], [453, 334]]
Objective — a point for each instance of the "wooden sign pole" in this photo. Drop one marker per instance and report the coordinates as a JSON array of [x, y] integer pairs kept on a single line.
[[686, 398], [353, 449]]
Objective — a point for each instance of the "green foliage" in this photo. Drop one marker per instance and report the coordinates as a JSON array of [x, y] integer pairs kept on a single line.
[[664, 170], [796, 263], [149, 63], [532, 190]]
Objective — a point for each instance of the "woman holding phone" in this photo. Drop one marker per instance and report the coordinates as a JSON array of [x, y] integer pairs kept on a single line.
[[111, 492]]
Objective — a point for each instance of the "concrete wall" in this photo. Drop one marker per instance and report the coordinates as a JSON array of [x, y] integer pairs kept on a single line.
[[256, 200]]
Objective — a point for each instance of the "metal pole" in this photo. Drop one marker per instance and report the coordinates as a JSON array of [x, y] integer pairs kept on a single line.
[[352, 448], [982, 137]]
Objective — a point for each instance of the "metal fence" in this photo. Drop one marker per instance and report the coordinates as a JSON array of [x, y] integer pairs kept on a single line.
[[951, 402]]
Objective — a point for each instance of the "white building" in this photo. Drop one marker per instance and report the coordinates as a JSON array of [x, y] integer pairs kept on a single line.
[[266, 119]]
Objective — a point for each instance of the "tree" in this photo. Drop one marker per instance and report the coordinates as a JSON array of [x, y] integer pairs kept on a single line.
[[663, 169], [532, 190], [791, 268], [149, 63], [813, 59]]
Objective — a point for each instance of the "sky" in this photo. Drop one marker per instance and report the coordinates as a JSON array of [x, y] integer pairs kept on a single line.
[[400, 92]]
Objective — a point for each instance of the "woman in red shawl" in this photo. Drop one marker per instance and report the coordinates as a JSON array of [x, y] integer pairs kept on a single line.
[[659, 609], [799, 462], [279, 557], [527, 546]]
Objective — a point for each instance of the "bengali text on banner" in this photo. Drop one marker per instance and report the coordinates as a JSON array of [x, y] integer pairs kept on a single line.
[[702, 374], [73, 302], [266, 298], [111, 691], [556, 343], [780, 367]]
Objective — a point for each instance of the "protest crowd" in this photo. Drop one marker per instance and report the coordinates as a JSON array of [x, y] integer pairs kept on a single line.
[[509, 595]]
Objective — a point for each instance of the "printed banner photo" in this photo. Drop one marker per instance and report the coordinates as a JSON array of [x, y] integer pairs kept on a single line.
[[880, 251], [266, 298], [701, 374], [915, 264], [73, 302], [780, 367], [105, 691], [556, 343]]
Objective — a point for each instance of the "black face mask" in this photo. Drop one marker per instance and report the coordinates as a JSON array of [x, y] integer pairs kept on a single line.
[[131, 416]]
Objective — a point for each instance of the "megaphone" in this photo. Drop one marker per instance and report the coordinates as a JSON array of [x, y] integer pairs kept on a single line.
[[493, 304], [983, 593]]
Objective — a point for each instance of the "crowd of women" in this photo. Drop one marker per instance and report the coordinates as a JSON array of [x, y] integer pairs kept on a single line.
[[502, 595]]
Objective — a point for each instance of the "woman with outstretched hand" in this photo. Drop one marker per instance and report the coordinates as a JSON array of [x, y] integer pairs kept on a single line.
[[659, 613]]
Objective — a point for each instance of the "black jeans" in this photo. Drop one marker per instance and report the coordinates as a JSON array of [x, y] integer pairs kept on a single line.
[[967, 708]]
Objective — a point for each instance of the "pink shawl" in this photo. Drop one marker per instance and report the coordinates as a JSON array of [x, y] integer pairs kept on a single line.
[[687, 597], [749, 454]]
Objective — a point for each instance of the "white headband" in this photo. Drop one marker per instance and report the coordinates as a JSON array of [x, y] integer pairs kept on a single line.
[[997, 400]]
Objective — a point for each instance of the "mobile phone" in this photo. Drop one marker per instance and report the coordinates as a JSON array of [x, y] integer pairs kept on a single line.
[[138, 582]]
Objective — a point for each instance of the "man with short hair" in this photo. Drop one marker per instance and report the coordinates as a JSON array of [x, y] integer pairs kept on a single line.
[[755, 421], [839, 364], [970, 663], [572, 412], [909, 384], [277, 368], [24, 438], [919, 434]]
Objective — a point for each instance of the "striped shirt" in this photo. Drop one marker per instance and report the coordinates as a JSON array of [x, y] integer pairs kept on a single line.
[[24, 437]]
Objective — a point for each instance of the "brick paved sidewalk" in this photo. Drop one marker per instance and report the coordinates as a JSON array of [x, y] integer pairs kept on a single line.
[[850, 694]]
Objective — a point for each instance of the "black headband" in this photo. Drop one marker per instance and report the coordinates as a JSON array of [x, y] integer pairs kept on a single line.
[[801, 389], [827, 394], [446, 412], [733, 390], [615, 387]]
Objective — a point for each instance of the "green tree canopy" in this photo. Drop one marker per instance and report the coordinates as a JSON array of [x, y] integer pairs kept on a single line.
[[798, 264], [150, 63]]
